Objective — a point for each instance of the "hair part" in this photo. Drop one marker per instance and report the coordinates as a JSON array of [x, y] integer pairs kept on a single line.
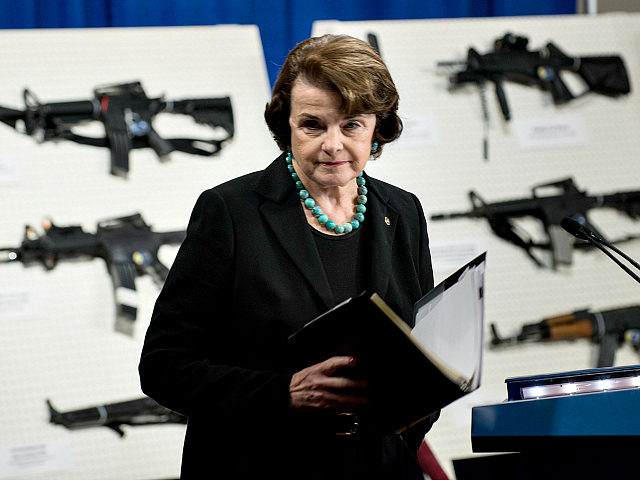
[[347, 66]]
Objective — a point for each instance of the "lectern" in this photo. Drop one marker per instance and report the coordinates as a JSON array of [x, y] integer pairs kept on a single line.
[[579, 424]]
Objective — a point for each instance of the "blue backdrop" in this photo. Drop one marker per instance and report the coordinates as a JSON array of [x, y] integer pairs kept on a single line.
[[282, 23]]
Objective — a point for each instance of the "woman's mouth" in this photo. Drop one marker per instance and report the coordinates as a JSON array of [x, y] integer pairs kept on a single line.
[[332, 164]]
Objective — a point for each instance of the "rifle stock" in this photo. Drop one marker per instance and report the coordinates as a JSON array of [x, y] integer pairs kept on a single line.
[[605, 75]]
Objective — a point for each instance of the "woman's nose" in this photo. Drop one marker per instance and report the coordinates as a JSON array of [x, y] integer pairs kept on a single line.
[[332, 141]]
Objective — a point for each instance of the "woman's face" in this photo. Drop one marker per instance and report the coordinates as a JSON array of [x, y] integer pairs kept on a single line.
[[329, 148]]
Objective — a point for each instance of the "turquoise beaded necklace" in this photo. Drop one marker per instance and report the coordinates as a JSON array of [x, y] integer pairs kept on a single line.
[[310, 203]]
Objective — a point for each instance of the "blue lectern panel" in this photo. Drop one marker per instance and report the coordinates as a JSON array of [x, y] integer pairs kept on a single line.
[[598, 420]]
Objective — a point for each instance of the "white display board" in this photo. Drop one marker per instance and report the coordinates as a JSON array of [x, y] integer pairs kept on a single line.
[[441, 160], [57, 333]]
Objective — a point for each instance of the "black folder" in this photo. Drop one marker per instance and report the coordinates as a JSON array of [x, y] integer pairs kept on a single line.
[[407, 381]]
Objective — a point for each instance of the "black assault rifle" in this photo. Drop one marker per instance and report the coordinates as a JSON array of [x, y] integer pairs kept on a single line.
[[127, 113], [126, 244], [609, 329], [142, 411], [512, 60], [550, 210]]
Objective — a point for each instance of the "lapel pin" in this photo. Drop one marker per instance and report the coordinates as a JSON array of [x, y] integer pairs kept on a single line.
[[387, 221]]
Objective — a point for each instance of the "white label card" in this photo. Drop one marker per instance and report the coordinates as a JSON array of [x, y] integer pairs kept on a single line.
[[9, 172], [15, 303], [447, 256], [419, 130], [31, 459], [550, 132]]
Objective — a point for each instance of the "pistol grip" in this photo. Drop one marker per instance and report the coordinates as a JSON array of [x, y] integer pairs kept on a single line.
[[159, 145], [559, 91], [160, 272], [551, 79]]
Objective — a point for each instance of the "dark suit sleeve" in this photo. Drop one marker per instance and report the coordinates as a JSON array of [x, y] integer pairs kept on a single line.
[[191, 361], [414, 435]]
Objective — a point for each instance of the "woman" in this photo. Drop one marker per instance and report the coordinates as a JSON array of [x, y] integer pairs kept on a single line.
[[268, 252]]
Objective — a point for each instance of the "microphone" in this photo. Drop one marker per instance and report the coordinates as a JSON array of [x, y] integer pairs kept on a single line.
[[575, 228], [581, 231]]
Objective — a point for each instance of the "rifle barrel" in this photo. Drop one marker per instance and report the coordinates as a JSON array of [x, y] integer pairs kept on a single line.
[[510, 208], [451, 63], [8, 255], [10, 116], [80, 108], [447, 216]]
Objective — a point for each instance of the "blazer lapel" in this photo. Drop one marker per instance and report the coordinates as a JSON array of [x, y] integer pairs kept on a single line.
[[383, 219], [283, 214]]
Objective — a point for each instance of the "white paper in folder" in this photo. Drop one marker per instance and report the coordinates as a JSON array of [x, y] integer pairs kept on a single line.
[[449, 323]]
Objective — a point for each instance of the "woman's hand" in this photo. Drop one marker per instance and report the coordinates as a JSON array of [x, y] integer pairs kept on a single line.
[[316, 387]]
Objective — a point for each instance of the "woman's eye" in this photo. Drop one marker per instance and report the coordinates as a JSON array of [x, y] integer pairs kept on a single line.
[[311, 125]]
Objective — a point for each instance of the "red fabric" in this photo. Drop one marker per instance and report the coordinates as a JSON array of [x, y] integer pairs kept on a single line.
[[429, 463]]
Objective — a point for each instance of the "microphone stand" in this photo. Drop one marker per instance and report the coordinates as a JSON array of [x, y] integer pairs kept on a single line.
[[598, 242], [578, 230]]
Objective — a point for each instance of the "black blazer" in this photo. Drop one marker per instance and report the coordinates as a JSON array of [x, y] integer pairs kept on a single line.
[[246, 277]]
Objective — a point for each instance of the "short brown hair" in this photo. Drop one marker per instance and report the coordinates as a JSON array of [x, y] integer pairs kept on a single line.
[[347, 66]]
